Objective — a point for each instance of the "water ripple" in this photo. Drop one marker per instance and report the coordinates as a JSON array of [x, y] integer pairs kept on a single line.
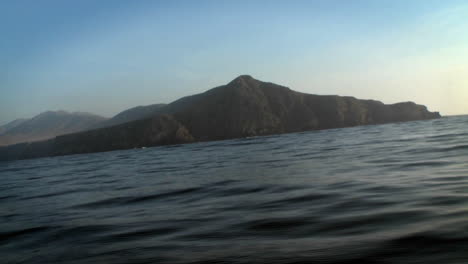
[[395, 193]]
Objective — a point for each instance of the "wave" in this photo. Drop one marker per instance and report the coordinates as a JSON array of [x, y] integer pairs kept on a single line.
[[376, 194]]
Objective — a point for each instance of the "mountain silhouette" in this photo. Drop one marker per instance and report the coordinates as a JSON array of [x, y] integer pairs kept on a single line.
[[47, 125], [244, 107], [132, 114]]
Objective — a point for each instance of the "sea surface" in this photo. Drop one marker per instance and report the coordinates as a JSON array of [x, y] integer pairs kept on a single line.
[[395, 193]]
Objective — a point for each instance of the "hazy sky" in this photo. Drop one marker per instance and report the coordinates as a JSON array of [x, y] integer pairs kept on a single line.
[[106, 56]]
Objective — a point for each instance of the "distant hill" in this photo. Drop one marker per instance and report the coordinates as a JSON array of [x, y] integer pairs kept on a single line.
[[242, 108], [47, 125], [132, 114], [11, 125]]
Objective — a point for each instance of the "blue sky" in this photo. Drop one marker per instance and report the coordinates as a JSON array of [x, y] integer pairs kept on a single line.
[[107, 56]]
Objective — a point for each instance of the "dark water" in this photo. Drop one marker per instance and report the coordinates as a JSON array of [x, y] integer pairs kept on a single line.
[[394, 193]]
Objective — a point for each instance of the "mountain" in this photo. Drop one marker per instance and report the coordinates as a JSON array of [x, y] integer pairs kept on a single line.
[[51, 124], [242, 108], [132, 114], [248, 107], [158, 130], [11, 125], [48, 125]]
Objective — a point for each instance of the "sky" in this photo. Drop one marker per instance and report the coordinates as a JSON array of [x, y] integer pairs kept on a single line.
[[107, 56]]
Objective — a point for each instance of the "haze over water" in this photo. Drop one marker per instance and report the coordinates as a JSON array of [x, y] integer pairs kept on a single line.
[[395, 193]]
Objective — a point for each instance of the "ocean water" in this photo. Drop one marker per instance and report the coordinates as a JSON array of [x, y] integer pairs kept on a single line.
[[395, 193]]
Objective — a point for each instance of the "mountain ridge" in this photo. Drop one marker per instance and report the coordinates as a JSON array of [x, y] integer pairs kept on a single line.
[[242, 108], [4, 128], [48, 125], [131, 114]]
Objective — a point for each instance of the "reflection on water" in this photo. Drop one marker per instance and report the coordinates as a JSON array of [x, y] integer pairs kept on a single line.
[[394, 193]]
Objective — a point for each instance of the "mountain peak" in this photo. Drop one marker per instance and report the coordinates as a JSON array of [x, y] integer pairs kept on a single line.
[[245, 77], [243, 80], [243, 108]]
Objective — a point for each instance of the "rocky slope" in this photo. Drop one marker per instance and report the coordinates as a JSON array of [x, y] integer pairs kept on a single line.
[[244, 107], [248, 107], [4, 128], [159, 130], [132, 114]]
